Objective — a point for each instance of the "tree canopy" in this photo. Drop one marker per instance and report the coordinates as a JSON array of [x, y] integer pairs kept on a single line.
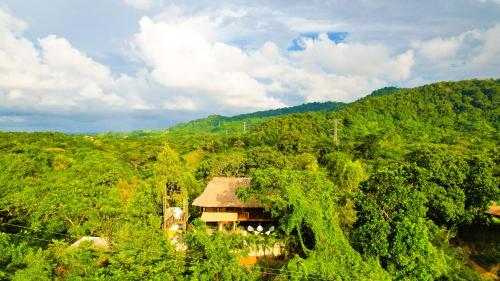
[[413, 171]]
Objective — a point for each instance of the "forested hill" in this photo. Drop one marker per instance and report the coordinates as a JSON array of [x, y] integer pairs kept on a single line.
[[222, 125], [411, 168], [383, 91], [307, 107], [464, 112], [411, 172]]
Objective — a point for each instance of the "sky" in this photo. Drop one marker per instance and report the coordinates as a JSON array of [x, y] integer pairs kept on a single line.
[[88, 66]]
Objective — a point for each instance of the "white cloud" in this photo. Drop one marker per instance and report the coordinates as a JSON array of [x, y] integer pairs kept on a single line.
[[179, 103], [11, 119], [439, 48], [475, 53], [142, 4], [489, 50], [188, 68], [61, 57], [373, 60], [55, 77], [11, 23], [183, 58], [184, 54], [191, 63], [301, 24], [489, 1]]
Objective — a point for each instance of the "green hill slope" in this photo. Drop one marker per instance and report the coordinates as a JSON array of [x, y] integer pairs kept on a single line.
[[464, 112], [410, 166], [222, 125], [411, 169]]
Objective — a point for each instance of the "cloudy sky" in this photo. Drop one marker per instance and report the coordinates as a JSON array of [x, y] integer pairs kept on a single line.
[[86, 66]]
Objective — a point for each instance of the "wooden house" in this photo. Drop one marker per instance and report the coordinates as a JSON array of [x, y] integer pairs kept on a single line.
[[221, 206]]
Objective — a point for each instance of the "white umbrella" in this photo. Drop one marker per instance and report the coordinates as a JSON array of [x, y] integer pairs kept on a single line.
[[250, 228], [260, 228]]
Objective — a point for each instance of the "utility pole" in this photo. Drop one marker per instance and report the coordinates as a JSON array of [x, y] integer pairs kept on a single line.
[[244, 127], [165, 207]]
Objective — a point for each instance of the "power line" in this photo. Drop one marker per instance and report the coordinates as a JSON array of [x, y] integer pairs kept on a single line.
[[26, 236], [266, 270], [269, 270], [304, 275], [25, 227], [316, 276]]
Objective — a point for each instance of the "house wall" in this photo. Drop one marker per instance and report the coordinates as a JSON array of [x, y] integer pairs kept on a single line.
[[244, 214]]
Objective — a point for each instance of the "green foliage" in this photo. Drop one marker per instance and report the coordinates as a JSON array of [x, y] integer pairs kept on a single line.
[[297, 199], [393, 224], [412, 170], [343, 171], [215, 256], [61, 187], [233, 164], [141, 251], [21, 262], [384, 91], [188, 136], [266, 157], [460, 187], [221, 125], [464, 113]]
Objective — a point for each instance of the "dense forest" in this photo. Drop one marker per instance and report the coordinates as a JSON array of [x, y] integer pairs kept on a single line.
[[394, 186], [194, 132]]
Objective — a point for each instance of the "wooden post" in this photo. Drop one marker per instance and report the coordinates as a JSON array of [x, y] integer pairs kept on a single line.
[[186, 213], [165, 208]]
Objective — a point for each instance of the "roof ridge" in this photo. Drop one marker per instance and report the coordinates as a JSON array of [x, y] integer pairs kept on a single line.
[[221, 192]]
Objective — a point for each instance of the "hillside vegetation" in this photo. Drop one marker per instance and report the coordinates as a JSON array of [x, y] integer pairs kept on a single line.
[[411, 170], [194, 132]]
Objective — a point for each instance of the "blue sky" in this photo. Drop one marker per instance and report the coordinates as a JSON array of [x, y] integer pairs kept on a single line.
[[119, 65]]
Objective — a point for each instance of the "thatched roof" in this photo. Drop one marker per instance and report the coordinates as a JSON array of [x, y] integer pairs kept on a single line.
[[221, 192], [216, 217]]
